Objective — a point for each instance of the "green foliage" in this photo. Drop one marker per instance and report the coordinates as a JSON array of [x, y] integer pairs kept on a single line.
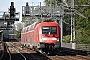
[[66, 39], [82, 25], [5, 15], [81, 1], [47, 2], [67, 27], [23, 18], [83, 36], [18, 33]]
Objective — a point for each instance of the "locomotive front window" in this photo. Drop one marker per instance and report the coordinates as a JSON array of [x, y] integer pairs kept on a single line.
[[53, 30], [49, 30]]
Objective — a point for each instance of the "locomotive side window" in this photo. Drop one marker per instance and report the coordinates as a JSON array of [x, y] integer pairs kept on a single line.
[[49, 30]]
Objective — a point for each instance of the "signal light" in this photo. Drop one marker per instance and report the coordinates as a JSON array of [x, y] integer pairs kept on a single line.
[[12, 10], [27, 9]]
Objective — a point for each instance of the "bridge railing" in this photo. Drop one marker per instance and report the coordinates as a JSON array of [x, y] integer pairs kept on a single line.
[[85, 47]]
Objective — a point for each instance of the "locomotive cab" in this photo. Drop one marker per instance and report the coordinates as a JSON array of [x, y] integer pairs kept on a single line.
[[49, 35]]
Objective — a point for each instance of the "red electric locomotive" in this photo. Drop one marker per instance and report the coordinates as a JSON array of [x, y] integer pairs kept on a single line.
[[42, 35]]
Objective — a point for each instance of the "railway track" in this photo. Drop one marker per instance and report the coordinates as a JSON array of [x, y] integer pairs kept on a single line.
[[31, 54], [7, 55], [69, 54], [11, 53], [1, 50], [23, 53], [64, 54], [15, 53]]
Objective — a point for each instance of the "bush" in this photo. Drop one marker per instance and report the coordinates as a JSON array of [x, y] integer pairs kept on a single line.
[[66, 39]]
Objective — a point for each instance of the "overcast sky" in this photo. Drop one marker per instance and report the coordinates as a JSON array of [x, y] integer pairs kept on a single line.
[[5, 4]]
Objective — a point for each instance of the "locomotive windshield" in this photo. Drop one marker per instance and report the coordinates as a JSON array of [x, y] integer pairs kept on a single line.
[[49, 30]]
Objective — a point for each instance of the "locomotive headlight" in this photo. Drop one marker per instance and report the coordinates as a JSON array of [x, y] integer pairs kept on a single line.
[[49, 39], [43, 39], [40, 39], [57, 39]]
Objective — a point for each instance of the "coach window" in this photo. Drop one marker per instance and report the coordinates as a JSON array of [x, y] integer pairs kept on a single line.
[[31, 27], [26, 30], [21, 31]]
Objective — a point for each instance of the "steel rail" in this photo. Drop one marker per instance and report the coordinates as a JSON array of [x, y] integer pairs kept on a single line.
[[30, 54], [2, 54], [18, 52], [8, 51]]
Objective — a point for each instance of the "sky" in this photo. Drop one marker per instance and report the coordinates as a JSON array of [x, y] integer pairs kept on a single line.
[[5, 5]]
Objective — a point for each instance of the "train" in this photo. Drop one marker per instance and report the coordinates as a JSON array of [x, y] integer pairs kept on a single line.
[[9, 35], [43, 35]]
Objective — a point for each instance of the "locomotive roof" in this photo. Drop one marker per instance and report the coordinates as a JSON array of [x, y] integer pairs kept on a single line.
[[35, 23]]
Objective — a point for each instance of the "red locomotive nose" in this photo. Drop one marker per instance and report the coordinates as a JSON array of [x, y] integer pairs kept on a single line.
[[49, 40], [48, 35]]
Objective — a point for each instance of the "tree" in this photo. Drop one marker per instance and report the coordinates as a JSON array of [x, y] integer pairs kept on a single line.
[[82, 25], [5, 15], [53, 2]]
